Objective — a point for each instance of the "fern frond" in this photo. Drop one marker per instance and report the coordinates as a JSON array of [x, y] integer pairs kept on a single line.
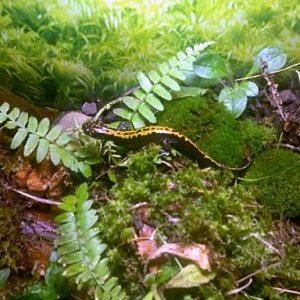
[[40, 137], [80, 249], [158, 86]]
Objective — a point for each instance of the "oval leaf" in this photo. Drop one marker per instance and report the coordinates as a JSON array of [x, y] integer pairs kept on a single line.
[[137, 121], [235, 99], [54, 133], [14, 114], [273, 58], [146, 112], [123, 113], [4, 107], [210, 66], [162, 92], [131, 102], [63, 139], [154, 77], [43, 127], [144, 82], [250, 88], [154, 102], [177, 74], [54, 154], [3, 117], [31, 144], [170, 83], [42, 150], [32, 124], [85, 170], [22, 120], [19, 138]]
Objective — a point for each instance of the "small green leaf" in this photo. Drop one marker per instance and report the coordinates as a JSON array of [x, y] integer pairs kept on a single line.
[[154, 77], [190, 276], [170, 83], [19, 138], [137, 121], [10, 125], [235, 99], [4, 107], [22, 120], [210, 66], [144, 82], [273, 58], [32, 124], [54, 133], [63, 139], [31, 144], [123, 113], [43, 127], [3, 117], [181, 55], [147, 113], [154, 102], [186, 65], [177, 74], [82, 193], [4, 274], [42, 150], [131, 102], [162, 92], [189, 91], [14, 114], [173, 61], [54, 154], [85, 169], [140, 94], [250, 87], [164, 68]]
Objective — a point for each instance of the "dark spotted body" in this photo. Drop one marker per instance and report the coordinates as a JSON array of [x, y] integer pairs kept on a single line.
[[165, 136]]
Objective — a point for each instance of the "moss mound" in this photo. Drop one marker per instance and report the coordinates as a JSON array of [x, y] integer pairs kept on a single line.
[[225, 218], [215, 130], [275, 176]]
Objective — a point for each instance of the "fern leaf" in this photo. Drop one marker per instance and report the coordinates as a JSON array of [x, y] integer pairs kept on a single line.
[[43, 127], [19, 138], [147, 113], [31, 144], [81, 254], [162, 92], [154, 102], [32, 124], [156, 86]]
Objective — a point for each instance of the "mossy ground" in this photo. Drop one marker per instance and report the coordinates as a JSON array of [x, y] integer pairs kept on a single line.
[[215, 130], [209, 211], [275, 177]]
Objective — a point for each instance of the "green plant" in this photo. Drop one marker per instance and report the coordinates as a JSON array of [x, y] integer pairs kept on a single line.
[[40, 137], [157, 86], [80, 249]]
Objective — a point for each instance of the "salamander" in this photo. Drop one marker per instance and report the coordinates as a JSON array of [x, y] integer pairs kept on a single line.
[[165, 136]]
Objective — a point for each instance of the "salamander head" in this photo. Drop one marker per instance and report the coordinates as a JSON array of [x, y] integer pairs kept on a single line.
[[96, 130]]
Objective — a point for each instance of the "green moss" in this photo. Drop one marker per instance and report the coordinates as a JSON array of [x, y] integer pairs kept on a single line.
[[215, 130], [11, 252], [275, 176]]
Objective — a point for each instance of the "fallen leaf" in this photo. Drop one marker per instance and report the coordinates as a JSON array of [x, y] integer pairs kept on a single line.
[[190, 276], [196, 253]]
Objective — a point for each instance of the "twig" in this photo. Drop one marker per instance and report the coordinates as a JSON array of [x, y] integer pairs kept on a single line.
[[286, 291], [237, 290], [275, 72], [35, 198], [294, 148]]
